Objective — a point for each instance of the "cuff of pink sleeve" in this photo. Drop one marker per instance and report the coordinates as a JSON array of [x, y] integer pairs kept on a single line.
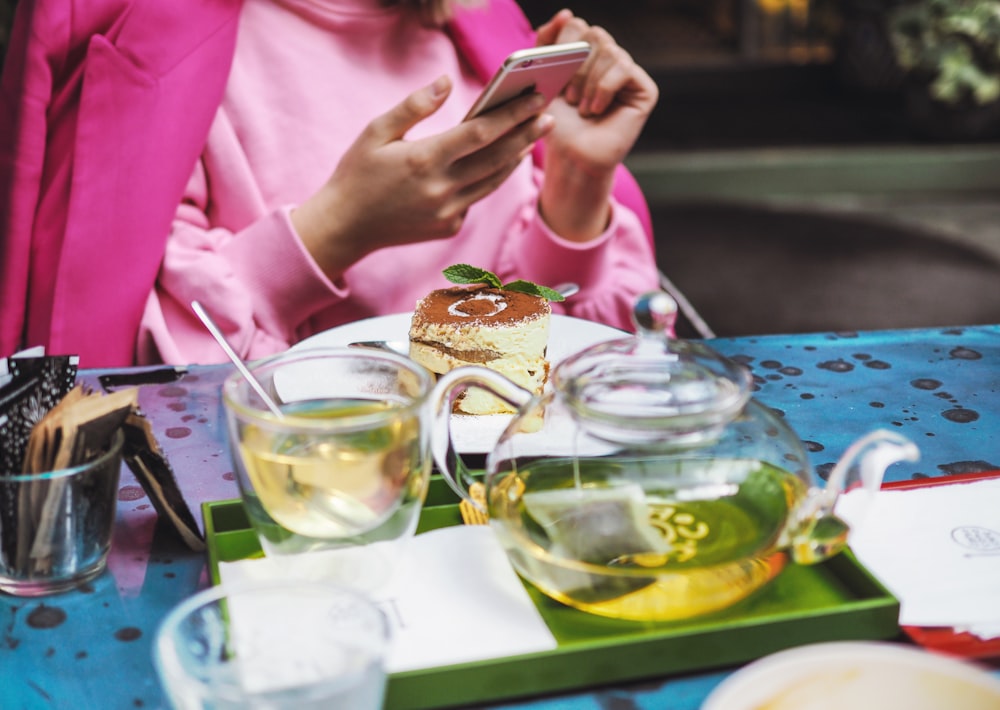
[[287, 285], [555, 259]]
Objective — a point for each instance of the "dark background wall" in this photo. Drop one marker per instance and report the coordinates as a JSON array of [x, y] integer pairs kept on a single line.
[[790, 191]]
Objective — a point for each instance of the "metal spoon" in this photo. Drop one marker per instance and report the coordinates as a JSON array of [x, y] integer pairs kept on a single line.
[[567, 289], [402, 347], [224, 344]]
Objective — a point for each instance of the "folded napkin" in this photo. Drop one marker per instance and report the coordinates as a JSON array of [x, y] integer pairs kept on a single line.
[[450, 594], [936, 548]]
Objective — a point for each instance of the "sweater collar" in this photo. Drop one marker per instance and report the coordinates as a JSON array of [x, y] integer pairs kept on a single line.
[[333, 11]]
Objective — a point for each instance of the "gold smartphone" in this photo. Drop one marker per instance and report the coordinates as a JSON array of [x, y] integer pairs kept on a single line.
[[545, 70]]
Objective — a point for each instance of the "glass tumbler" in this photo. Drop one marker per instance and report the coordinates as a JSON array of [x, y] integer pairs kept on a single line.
[[274, 645], [56, 526]]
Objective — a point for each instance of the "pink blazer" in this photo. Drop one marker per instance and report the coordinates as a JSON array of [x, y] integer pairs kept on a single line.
[[104, 109]]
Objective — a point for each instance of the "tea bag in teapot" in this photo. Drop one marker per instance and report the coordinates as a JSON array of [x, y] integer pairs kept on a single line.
[[596, 525]]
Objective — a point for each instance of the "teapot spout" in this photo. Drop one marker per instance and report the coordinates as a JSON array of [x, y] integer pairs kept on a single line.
[[820, 533]]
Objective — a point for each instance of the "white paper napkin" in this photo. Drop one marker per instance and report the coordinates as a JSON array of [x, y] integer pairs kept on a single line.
[[450, 594], [936, 548]]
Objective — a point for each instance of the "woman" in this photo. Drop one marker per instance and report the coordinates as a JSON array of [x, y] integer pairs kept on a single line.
[[330, 186]]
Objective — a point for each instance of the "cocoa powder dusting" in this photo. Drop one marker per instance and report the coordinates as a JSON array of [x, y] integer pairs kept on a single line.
[[519, 306]]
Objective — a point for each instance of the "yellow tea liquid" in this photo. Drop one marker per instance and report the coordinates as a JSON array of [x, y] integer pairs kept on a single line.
[[624, 540], [340, 483]]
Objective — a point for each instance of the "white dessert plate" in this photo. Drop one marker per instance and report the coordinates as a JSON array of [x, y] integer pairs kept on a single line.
[[860, 675], [471, 434]]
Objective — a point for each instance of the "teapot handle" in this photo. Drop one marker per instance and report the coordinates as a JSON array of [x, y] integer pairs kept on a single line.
[[448, 388], [819, 531], [872, 454]]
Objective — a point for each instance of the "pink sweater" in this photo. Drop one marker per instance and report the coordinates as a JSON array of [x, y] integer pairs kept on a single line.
[[105, 106], [288, 114]]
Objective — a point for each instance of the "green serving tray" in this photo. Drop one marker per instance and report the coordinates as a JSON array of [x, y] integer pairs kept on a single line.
[[836, 600]]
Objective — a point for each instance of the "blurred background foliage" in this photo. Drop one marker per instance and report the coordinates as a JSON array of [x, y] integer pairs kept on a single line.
[[952, 45]]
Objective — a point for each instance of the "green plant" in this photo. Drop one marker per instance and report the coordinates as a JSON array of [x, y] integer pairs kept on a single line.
[[951, 45]]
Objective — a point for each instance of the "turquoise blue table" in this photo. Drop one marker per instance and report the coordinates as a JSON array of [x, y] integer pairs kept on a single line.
[[90, 648]]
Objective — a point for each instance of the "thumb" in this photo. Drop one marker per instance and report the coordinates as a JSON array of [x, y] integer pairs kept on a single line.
[[394, 124], [549, 32]]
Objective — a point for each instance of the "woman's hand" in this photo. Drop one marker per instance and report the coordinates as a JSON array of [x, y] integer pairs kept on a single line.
[[597, 121], [388, 191]]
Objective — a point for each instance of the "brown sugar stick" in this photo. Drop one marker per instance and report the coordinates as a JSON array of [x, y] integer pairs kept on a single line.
[[88, 426]]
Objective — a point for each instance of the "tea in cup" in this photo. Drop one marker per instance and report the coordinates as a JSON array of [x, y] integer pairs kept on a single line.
[[346, 462]]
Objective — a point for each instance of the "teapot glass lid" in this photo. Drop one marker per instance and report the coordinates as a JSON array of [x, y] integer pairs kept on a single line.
[[652, 387]]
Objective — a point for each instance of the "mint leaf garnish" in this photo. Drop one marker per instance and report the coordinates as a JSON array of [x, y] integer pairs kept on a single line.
[[465, 274], [534, 290]]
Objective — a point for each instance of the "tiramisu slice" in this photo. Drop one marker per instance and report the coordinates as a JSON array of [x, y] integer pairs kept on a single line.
[[505, 330]]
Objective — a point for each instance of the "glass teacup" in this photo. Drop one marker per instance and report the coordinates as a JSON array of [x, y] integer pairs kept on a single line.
[[347, 462]]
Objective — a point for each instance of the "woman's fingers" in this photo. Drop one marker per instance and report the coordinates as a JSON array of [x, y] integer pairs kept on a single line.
[[549, 32], [478, 133], [607, 75], [508, 149]]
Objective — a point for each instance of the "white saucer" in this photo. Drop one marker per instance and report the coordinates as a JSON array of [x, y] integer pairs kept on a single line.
[[471, 434]]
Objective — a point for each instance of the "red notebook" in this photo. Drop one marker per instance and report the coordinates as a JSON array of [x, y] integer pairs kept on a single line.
[[943, 638]]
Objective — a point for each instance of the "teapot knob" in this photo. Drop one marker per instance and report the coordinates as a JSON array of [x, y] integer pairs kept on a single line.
[[654, 314]]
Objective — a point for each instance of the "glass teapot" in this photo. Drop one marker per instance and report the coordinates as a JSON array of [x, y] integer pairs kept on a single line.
[[655, 487]]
